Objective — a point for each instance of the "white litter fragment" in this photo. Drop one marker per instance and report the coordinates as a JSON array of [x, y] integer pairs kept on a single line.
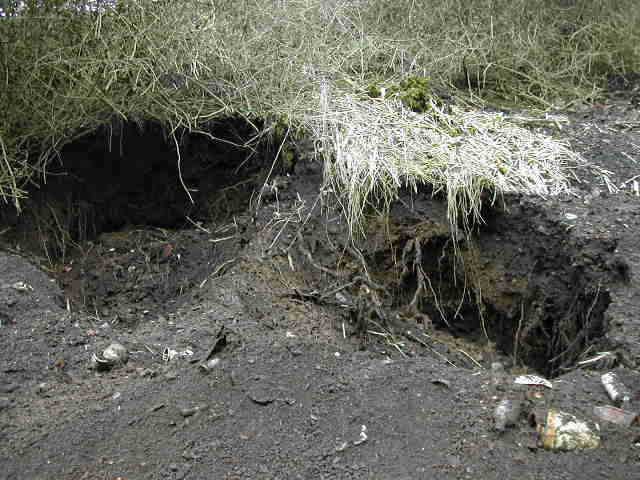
[[363, 435], [532, 380], [169, 354]]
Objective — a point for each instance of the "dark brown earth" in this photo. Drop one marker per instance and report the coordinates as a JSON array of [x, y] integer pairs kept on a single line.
[[332, 363]]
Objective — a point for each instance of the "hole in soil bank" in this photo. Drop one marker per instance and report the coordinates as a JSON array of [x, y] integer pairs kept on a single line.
[[115, 226], [540, 298], [127, 175]]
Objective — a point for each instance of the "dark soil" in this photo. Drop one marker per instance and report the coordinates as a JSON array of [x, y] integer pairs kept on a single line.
[[334, 360]]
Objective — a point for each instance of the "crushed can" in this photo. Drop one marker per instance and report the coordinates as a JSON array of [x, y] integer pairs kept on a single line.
[[562, 431]]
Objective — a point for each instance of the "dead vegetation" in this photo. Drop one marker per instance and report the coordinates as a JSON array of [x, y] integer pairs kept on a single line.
[[69, 67]]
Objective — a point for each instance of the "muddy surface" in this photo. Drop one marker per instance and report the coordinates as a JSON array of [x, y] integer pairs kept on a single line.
[[264, 344]]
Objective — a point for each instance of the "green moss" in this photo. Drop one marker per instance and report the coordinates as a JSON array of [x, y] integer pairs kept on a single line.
[[415, 92], [373, 91]]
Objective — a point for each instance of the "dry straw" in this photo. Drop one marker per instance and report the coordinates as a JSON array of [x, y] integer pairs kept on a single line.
[[373, 147], [67, 71]]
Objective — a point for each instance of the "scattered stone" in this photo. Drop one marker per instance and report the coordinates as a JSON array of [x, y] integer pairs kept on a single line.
[[4, 403], [21, 287], [9, 387], [147, 413], [187, 455], [190, 411], [146, 372], [497, 374], [210, 365], [442, 382], [260, 395], [116, 354]]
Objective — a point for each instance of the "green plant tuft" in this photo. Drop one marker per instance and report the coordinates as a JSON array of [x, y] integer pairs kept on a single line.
[[415, 93]]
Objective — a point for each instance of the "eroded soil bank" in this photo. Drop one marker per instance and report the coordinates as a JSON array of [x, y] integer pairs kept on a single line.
[[323, 337]]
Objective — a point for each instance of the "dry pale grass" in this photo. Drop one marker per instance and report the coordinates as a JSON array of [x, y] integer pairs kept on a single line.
[[66, 71], [373, 147]]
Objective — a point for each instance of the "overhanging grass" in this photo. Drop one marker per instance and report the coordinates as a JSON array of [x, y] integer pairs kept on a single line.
[[65, 72], [374, 147]]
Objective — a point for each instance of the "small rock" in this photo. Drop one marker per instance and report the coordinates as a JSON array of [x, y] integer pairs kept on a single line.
[[9, 387], [146, 372], [570, 216], [41, 388], [497, 374], [210, 365], [441, 381], [4, 403], [188, 455], [22, 287], [260, 395], [116, 353], [190, 411]]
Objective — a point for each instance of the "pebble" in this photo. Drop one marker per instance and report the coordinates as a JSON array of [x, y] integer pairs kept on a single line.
[[190, 411], [116, 353], [210, 365], [9, 387], [4, 403]]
